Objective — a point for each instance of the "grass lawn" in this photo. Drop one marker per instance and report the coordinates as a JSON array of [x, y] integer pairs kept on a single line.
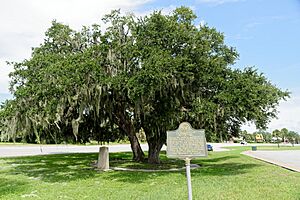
[[275, 148], [222, 175]]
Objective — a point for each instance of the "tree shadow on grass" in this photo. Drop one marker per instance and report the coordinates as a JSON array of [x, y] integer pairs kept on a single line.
[[224, 169], [217, 159], [223, 166], [62, 167], [124, 161], [229, 165], [54, 168], [70, 167]]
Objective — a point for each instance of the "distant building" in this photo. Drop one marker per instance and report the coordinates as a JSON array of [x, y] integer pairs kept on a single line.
[[259, 138]]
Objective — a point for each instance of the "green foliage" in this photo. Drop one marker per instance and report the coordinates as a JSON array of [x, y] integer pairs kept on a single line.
[[285, 135], [147, 73], [293, 137], [267, 136]]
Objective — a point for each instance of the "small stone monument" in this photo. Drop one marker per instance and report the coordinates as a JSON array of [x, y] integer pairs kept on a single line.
[[103, 159], [186, 143]]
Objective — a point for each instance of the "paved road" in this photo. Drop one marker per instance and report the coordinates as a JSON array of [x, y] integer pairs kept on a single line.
[[30, 150], [288, 159]]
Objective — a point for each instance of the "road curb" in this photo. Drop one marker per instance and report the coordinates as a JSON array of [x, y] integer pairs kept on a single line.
[[283, 165]]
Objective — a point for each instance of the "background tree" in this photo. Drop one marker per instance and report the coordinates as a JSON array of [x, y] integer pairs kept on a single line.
[[267, 136], [243, 134], [277, 134], [291, 137], [284, 134]]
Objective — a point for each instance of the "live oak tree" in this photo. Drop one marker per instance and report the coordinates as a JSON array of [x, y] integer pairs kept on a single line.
[[142, 73]]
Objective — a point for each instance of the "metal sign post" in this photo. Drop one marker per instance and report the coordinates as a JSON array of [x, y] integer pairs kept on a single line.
[[188, 177], [186, 143]]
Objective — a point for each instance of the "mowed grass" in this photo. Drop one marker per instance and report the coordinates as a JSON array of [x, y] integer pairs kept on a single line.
[[275, 148], [222, 175]]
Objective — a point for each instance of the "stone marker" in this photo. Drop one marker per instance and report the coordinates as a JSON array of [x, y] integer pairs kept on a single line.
[[186, 143], [103, 159]]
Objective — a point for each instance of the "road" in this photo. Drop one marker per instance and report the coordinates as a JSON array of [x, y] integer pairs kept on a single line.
[[31, 150], [288, 159]]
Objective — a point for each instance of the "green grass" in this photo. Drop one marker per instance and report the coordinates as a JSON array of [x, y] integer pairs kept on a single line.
[[222, 175], [275, 148], [123, 160]]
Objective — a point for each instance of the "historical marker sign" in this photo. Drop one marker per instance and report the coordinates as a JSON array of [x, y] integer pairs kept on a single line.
[[186, 142]]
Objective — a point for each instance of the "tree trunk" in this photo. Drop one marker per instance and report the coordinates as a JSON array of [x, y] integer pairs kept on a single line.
[[156, 137], [126, 125], [216, 129], [154, 150], [138, 154]]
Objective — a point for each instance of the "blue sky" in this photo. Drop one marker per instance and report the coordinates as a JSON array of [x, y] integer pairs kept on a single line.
[[265, 33]]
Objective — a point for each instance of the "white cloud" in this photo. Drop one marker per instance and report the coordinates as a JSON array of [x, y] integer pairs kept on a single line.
[[4, 80], [218, 2], [288, 116], [202, 23], [23, 23], [164, 10]]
